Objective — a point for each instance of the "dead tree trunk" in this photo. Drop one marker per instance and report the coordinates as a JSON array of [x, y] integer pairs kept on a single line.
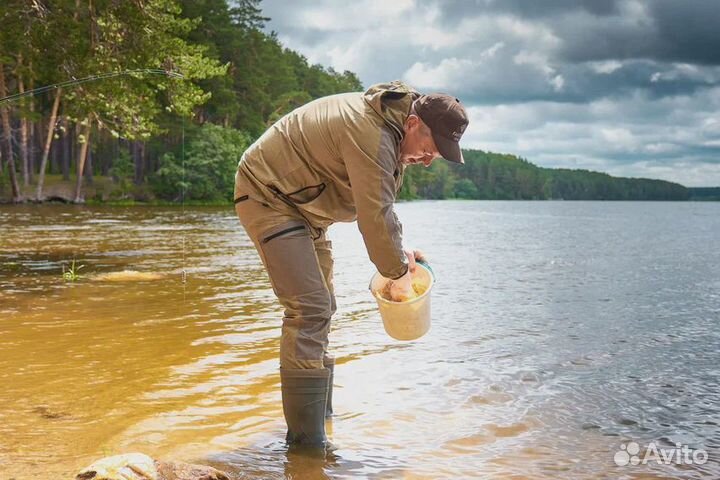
[[81, 162], [66, 150], [23, 136], [88, 171], [48, 143], [32, 143]]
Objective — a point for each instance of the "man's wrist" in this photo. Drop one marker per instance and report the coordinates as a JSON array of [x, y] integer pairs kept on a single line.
[[405, 271]]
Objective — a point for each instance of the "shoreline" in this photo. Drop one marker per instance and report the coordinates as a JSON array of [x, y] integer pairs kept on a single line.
[[104, 190], [54, 201]]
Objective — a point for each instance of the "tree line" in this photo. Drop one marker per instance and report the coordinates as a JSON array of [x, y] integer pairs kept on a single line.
[[705, 193], [133, 127], [494, 176]]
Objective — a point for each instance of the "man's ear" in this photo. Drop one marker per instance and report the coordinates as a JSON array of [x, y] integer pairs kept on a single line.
[[412, 121]]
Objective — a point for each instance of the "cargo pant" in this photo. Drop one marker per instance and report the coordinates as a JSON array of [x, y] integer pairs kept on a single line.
[[301, 274]]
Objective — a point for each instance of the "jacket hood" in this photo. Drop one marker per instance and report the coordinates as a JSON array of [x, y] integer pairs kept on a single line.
[[392, 102]]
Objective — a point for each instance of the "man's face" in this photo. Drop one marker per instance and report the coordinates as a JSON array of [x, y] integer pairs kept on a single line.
[[418, 145]]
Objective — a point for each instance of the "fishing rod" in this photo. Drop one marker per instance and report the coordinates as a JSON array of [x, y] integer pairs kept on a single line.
[[91, 78]]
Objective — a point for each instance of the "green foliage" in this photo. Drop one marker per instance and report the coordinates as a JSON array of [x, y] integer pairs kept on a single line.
[[211, 157], [72, 273], [235, 75], [79, 39], [465, 189], [493, 176], [265, 80], [122, 172]]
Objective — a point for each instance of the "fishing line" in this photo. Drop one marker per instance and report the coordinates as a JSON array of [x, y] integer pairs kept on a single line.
[[91, 78], [182, 203]]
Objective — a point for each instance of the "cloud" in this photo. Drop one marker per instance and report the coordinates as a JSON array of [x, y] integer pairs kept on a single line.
[[441, 76], [623, 86], [660, 30], [675, 138], [605, 67]]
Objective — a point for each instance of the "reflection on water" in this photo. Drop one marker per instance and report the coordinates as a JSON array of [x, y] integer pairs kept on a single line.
[[561, 330]]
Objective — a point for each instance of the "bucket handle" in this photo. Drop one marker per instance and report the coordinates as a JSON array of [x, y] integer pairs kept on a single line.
[[425, 264]]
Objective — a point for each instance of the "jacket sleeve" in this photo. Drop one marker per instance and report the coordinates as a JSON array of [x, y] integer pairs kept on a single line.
[[371, 166]]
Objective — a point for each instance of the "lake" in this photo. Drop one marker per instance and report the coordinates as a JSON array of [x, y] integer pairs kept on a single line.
[[562, 332]]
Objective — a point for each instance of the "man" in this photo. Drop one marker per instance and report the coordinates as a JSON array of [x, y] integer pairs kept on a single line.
[[335, 159]]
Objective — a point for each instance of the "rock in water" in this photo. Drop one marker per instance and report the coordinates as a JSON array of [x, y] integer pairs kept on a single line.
[[130, 466], [138, 466], [187, 471]]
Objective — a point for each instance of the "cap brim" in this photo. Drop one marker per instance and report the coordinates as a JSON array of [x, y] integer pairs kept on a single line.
[[449, 149]]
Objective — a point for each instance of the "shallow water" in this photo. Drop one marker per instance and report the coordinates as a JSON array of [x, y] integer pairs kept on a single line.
[[561, 331]]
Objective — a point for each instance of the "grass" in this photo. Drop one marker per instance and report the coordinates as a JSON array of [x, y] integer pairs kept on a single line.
[[72, 274]]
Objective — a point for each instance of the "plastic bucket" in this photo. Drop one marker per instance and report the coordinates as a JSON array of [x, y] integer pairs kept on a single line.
[[405, 320]]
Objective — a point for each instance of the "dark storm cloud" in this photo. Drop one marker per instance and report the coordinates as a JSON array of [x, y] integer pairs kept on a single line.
[[581, 85], [455, 10], [688, 31], [672, 31], [551, 8]]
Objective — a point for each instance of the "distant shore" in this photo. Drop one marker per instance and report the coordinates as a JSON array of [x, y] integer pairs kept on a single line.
[[103, 190]]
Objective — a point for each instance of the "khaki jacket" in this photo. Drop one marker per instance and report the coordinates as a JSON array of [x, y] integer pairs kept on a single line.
[[336, 159]]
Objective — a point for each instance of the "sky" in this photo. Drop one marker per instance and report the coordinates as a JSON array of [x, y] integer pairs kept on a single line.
[[627, 87]]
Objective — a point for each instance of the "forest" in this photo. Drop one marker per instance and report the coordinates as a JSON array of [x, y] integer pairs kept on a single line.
[[126, 136], [143, 134], [494, 176]]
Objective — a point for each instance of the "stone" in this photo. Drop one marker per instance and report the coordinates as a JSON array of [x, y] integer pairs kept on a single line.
[[138, 466]]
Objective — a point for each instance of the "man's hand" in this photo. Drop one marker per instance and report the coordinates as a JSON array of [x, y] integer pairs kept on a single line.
[[401, 289], [412, 256]]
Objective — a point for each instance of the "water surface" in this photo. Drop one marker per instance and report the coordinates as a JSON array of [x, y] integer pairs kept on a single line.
[[561, 331]]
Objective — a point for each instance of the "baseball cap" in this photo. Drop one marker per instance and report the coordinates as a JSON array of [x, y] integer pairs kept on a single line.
[[447, 119]]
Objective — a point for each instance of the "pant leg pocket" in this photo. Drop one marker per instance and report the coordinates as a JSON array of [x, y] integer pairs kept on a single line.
[[291, 260]]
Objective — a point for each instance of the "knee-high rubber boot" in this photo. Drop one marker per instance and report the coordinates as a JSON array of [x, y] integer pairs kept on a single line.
[[304, 397], [330, 365]]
